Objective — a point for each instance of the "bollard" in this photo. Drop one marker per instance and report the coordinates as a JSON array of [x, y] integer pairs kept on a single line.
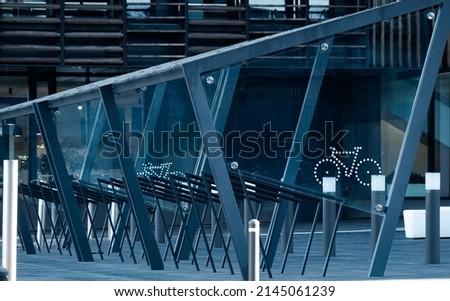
[[328, 214], [378, 201], [10, 204], [253, 250], [432, 217]]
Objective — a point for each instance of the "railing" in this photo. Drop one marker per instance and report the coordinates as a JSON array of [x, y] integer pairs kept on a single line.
[[136, 34], [183, 202]]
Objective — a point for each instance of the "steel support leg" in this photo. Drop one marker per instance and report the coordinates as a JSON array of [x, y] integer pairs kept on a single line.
[[293, 163], [131, 182], [411, 141], [217, 164], [75, 225]]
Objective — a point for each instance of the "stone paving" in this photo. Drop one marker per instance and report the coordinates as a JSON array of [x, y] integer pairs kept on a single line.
[[352, 262]]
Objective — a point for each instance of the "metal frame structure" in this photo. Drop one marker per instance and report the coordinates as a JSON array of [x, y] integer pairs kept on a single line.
[[62, 180], [191, 69]]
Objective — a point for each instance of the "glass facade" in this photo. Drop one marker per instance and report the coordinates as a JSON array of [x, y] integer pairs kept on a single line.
[[335, 106]]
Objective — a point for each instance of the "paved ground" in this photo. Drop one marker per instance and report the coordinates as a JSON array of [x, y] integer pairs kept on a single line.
[[352, 261]]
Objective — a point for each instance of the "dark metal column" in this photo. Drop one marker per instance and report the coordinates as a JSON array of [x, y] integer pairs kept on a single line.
[[93, 143], [220, 108], [150, 123], [22, 223], [149, 244], [221, 105], [432, 217], [411, 141], [293, 163], [217, 164], [45, 122], [149, 126]]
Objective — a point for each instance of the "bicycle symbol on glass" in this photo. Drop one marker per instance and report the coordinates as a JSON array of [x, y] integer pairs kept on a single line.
[[361, 169]]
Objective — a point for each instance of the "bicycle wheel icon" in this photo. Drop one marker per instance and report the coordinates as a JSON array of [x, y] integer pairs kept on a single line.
[[327, 167], [365, 169]]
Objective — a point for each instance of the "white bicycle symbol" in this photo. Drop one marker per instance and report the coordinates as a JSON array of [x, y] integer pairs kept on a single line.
[[362, 169], [161, 170]]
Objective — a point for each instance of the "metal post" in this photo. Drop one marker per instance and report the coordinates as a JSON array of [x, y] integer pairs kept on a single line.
[[41, 223], [136, 201], [63, 183], [11, 141], [114, 213], [159, 226], [303, 126], [54, 219], [217, 164], [247, 211], [247, 215], [432, 217], [328, 214], [9, 230], [90, 225], [253, 250], [378, 201]]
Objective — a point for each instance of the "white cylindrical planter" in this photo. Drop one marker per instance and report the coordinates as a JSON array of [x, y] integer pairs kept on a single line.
[[10, 204]]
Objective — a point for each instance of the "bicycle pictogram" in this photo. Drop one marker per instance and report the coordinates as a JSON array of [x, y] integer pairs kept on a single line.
[[162, 170], [361, 169]]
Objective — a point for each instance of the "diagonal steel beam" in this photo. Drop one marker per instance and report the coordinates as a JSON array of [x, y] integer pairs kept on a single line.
[[150, 123], [411, 141], [217, 164], [221, 105], [220, 108], [281, 215], [45, 122], [149, 243], [93, 143]]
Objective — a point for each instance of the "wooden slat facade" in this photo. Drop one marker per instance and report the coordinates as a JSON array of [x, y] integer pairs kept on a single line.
[[138, 35]]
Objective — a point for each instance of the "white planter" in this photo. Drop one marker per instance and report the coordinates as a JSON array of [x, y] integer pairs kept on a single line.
[[414, 220]]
